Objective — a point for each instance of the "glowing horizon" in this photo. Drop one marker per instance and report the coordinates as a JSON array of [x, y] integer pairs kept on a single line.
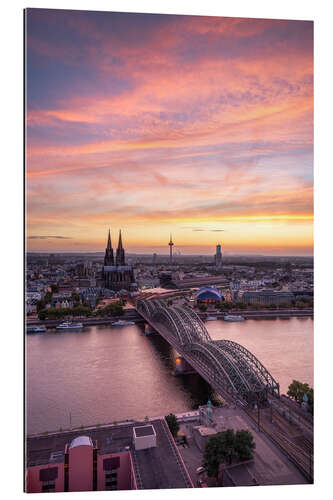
[[199, 126]]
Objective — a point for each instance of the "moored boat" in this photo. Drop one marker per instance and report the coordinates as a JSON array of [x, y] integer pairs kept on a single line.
[[67, 325], [36, 329], [122, 322], [230, 317]]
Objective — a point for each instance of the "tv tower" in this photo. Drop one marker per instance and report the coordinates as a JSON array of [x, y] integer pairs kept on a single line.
[[171, 245]]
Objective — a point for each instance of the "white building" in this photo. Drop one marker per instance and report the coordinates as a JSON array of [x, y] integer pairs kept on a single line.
[[144, 437]]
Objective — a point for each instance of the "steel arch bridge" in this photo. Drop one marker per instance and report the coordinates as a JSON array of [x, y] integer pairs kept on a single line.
[[228, 366]]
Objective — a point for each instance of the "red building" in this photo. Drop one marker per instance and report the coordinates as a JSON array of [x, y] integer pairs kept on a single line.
[[81, 468]]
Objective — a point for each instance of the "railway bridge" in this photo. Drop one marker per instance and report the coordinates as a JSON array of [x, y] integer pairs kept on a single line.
[[227, 366]]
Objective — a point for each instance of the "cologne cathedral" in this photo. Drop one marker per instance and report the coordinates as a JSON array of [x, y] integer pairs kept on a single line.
[[116, 274]]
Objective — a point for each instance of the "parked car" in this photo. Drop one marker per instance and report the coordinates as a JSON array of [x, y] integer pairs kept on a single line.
[[200, 470]]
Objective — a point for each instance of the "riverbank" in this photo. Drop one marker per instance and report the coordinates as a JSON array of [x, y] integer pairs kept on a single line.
[[132, 315], [129, 315], [271, 314]]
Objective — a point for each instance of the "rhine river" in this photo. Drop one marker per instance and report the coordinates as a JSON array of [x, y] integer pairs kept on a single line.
[[103, 374]]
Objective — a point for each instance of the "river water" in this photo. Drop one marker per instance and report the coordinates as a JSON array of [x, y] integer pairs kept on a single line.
[[103, 374]]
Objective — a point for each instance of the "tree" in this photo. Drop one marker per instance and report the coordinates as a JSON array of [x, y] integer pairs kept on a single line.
[[40, 305], [172, 423], [244, 445], [202, 307], [283, 305], [213, 455], [296, 391], [241, 305], [226, 446], [113, 309], [47, 297], [61, 312], [75, 297], [169, 302], [54, 288], [226, 305]]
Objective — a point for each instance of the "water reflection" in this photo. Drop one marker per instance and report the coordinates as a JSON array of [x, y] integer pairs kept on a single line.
[[104, 374]]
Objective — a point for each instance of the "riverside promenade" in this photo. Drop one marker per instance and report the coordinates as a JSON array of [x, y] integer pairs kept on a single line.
[[263, 314], [129, 315], [133, 315]]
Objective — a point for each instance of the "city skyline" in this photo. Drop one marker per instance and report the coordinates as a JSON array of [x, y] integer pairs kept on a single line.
[[157, 123]]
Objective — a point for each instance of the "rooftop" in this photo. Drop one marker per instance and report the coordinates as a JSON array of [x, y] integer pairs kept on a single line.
[[81, 441], [146, 430], [155, 468]]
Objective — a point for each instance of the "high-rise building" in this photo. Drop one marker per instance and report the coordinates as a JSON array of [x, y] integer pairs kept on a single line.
[[171, 245], [218, 256], [116, 274]]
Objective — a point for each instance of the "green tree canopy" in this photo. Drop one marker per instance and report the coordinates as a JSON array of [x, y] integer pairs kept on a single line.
[[241, 305], [296, 391], [226, 305], [172, 423], [244, 445], [47, 297], [62, 312], [113, 309], [75, 297], [225, 447]]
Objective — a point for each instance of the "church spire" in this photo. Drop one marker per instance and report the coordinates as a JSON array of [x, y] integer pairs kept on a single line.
[[120, 255], [109, 246], [120, 243], [108, 258]]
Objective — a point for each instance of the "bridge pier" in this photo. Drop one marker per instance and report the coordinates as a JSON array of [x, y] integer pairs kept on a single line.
[[183, 367], [148, 329]]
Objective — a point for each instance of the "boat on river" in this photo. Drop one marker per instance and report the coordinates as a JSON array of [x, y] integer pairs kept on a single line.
[[229, 317], [122, 322], [36, 329], [68, 325]]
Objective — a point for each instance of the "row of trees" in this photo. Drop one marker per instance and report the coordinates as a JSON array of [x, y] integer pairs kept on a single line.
[[296, 391], [113, 309], [47, 299], [300, 304], [62, 312]]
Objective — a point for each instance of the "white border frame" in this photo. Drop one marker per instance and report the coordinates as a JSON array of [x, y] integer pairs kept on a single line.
[[12, 238]]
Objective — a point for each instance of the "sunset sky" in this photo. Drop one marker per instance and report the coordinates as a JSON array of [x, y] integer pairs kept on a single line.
[[199, 126]]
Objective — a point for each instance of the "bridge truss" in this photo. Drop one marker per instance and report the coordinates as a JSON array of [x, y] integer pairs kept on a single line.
[[226, 365]]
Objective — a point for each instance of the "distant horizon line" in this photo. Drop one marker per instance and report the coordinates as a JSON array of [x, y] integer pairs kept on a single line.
[[226, 254]]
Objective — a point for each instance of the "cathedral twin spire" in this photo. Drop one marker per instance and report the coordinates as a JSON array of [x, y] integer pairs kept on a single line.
[[120, 253]]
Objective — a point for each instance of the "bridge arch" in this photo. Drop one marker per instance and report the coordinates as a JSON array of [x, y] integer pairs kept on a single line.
[[220, 368], [255, 368], [197, 330], [169, 318], [224, 363]]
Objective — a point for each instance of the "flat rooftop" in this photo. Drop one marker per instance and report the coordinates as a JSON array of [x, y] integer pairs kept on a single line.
[[145, 430], [155, 468]]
